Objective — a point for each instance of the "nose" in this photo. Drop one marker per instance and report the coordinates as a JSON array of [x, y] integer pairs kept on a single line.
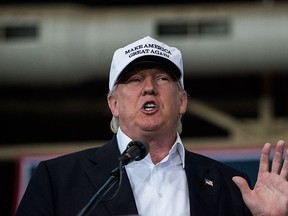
[[149, 87]]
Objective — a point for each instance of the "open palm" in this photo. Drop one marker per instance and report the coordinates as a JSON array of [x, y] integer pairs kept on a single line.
[[270, 194]]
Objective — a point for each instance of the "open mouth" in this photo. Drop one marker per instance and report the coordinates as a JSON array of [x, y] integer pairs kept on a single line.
[[149, 106]]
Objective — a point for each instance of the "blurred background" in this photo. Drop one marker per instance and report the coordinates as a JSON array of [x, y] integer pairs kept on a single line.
[[55, 58]]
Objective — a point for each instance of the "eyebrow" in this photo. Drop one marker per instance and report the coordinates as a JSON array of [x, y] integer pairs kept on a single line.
[[123, 78]]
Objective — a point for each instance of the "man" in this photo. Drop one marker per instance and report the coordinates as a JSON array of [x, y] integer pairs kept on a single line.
[[147, 99]]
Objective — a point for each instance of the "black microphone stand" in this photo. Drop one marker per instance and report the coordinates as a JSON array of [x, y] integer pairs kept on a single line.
[[113, 179], [136, 150]]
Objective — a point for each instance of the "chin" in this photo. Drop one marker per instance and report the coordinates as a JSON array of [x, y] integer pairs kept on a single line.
[[151, 128]]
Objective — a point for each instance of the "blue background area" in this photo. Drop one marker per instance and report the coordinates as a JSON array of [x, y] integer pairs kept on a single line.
[[250, 167]]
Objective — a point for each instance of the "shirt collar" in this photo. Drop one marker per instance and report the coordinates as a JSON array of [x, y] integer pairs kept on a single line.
[[123, 141]]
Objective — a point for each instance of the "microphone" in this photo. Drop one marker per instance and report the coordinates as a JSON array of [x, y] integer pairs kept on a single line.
[[136, 150]]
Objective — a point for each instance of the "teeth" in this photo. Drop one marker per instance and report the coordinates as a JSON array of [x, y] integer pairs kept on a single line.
[[149, 106]]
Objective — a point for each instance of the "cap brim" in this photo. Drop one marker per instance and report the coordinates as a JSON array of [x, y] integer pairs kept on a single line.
[[152, 61]]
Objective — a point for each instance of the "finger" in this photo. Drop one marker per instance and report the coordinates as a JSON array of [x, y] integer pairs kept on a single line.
[[242, 185], [264, 159], [284, 171], [277, 159]]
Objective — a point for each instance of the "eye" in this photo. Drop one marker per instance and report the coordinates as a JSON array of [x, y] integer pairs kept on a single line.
[[163, 78], [134, 79]]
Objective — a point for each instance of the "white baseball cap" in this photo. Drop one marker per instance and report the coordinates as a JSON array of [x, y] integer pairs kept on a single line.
[[146, 49]]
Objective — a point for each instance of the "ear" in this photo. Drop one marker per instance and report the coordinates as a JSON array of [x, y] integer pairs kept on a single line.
[[183, 102], [112, 103]]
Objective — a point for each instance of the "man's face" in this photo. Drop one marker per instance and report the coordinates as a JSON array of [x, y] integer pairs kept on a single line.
[[148, 101]]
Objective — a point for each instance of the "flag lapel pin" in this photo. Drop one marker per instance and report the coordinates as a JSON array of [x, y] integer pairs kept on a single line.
[[209, 182]]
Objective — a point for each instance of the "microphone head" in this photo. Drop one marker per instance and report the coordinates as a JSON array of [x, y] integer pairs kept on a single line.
[[142, 145], [136, 150]]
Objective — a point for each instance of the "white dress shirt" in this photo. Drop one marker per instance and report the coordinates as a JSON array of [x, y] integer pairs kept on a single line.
[[159, 189]]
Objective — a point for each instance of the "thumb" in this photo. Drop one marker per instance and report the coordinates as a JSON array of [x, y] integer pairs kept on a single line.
[[242, 185]]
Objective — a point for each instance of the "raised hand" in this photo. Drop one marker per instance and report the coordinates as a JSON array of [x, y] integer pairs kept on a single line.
[[270, 194]]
